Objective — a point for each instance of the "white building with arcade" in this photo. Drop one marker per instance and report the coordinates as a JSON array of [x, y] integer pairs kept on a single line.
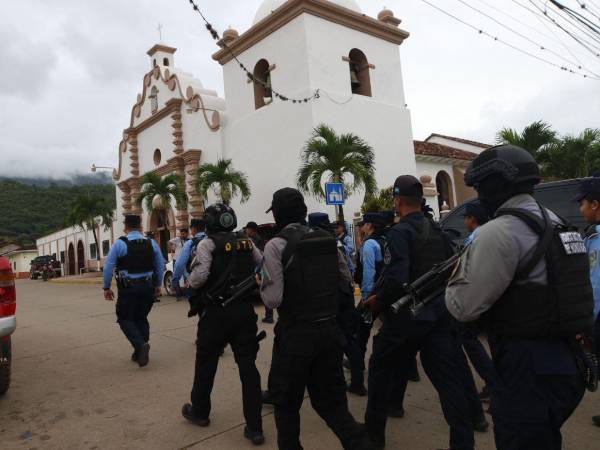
[[295, 48]]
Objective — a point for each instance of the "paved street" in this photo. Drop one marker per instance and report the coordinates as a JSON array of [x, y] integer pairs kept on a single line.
[[75, 388]]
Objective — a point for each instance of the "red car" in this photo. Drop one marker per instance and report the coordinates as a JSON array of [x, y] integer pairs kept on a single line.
[[8, 321]]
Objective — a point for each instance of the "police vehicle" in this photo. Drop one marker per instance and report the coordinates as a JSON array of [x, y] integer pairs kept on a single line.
[[556, 196]]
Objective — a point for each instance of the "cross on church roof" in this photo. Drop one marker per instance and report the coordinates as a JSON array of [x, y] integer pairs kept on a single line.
[[159, 28]]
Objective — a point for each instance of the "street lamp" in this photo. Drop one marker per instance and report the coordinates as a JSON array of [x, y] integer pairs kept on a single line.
[[95, 168]]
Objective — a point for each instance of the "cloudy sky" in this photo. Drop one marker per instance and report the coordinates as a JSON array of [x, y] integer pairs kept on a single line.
[[71, 70]]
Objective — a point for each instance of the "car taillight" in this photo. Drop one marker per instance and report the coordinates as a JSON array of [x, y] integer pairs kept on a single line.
[[8, 293]]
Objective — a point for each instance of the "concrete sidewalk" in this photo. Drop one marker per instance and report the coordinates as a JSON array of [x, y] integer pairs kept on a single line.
[[75, 388]]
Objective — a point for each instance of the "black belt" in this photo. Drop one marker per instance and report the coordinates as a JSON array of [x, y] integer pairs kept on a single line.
[[136, 281]]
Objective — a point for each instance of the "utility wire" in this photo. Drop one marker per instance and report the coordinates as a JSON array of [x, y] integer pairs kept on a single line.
[[507, 44], [594, 40], [582, 19], [521, 35], [586, 8], [589, 47]]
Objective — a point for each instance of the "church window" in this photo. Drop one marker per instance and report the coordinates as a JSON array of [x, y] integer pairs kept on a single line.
[[157, 157], [360, 78], [443, 183], [154, 99], [263, 94], [165, 61], [154, 63]]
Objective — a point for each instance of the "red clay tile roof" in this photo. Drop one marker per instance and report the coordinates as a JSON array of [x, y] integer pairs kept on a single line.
[[463, 141], [443, 151]]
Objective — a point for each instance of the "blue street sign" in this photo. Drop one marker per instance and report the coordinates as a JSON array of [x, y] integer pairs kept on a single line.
[[334, 193]]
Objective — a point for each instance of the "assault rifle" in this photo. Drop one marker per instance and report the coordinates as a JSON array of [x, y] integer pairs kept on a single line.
[[236, 292], [426, 288]]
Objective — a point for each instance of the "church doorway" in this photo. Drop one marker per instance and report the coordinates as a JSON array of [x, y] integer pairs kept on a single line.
[[71, 260], [80, 256], [160, 222]]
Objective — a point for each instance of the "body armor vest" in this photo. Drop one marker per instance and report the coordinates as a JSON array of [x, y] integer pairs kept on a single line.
[[358, 274], [232, 263], [311, 275], [563, 307], [139, 257], [429, 247], [195, 242]]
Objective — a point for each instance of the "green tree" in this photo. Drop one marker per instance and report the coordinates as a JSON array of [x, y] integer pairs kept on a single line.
[[534, 138], [223, 180], [158, 193], [572, 156], [344, 158], [382, 200], [90, 212]]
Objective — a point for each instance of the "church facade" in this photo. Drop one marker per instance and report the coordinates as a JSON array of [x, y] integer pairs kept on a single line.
[[295, 48]]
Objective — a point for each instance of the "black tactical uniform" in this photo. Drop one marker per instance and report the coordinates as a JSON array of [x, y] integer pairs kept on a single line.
[[414, 246], [300, 278], [231, 258]]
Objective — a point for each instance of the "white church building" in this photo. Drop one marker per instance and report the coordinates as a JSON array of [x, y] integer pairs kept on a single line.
[[353, 60]]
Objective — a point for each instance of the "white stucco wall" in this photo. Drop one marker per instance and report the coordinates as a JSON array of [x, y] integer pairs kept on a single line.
[[21, 261], [267, 143], [456, 144]]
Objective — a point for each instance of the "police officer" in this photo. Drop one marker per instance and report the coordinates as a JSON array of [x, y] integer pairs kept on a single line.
[[475, 217], [223, 260], [345, 239], [589, 203], [414, 245], [527, 275], [348, 317], [300, 277], [139, 266], [188, 252]]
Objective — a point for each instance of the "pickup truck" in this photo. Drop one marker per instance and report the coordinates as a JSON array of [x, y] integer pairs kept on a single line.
[[38, 263], [8, 321]]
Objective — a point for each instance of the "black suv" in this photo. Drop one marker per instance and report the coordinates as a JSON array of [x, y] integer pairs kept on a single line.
[[556, 196]]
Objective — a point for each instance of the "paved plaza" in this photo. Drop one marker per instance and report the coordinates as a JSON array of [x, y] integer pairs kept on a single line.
[[75, 388]]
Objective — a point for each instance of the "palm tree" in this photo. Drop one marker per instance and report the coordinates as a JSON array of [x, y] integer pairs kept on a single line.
[[572, 156], [344, 158], [223, 180], [158, 193], [382, 200], [90, 212], [533, 138]]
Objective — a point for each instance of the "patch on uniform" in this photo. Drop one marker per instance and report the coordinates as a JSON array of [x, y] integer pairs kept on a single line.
[[226, 220], [387, 255], [573, 243], [594, 258]]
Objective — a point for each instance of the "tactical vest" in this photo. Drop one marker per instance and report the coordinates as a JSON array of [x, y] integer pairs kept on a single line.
[[139, 257], [358, 273], [311, 275], [194, 244], [232, 263], [563, 307], [429, 247]]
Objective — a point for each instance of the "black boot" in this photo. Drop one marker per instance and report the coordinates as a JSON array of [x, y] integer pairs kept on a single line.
[[188, 412]]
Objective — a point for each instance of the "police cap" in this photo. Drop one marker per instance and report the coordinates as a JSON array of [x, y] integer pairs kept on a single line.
[[133, 221], [476, 209], [318, 220], [408, 186], [374, 218], [252, 226], [588, 188], [288, 199]]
